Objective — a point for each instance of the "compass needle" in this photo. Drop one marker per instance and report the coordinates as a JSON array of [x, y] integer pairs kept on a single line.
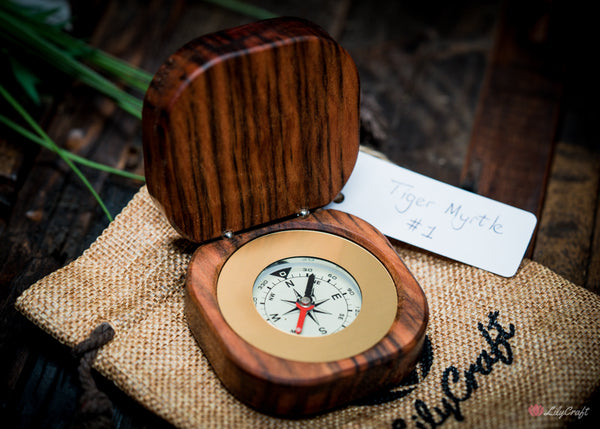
[[308, 292]]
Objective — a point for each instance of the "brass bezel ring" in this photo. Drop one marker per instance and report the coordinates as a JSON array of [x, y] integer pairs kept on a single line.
[[379, 295]]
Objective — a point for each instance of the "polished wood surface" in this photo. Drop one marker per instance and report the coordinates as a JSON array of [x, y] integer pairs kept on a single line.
[[250, 125], [421, 68], [290, 388]]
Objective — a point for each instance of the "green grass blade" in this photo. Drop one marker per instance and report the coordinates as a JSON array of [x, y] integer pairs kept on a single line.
[[76, 158], [119, 69], [27, 79], [31, 41], [55, 148]]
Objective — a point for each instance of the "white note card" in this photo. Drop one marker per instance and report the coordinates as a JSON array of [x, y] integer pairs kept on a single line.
[[437, 217]]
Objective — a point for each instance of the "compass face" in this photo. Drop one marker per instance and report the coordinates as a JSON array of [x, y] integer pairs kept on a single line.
[[290, 294], [305, 296]]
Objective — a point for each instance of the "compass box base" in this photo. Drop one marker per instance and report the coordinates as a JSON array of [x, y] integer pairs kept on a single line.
[[374, 352]]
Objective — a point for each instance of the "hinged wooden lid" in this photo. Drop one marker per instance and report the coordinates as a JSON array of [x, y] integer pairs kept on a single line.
[[250, 125]]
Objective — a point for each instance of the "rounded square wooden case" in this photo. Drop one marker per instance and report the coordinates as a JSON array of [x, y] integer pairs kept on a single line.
[[244, 129]]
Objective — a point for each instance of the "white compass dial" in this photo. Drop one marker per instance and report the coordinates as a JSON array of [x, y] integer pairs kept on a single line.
[[307, 296]]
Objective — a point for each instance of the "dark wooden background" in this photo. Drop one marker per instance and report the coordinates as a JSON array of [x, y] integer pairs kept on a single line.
[[498, 98]]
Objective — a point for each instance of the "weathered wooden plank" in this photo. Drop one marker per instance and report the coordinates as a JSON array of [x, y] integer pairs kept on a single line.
[[513, 134], [566, 226], [593, 278], [64, 219], [53, 220], [11, 160], [421, 69]]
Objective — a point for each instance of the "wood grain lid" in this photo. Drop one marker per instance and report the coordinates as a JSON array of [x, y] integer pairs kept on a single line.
[[250, 125]]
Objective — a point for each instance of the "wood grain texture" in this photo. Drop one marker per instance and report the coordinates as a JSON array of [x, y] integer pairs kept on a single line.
[[511, 145], [11, 161], [250, 125], [565, 240], [289, 388]]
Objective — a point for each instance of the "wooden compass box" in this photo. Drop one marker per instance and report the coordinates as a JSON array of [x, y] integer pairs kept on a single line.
[[244, 130]]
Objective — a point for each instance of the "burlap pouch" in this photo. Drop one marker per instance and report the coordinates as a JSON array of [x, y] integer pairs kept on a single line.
[[518, 352]]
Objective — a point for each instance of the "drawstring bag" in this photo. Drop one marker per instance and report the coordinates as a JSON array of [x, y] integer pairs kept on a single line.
[[516, 352]]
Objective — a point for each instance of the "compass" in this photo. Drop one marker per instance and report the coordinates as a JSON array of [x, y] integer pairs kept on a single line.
[[247, 134], [332, 305], [307, 296]]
